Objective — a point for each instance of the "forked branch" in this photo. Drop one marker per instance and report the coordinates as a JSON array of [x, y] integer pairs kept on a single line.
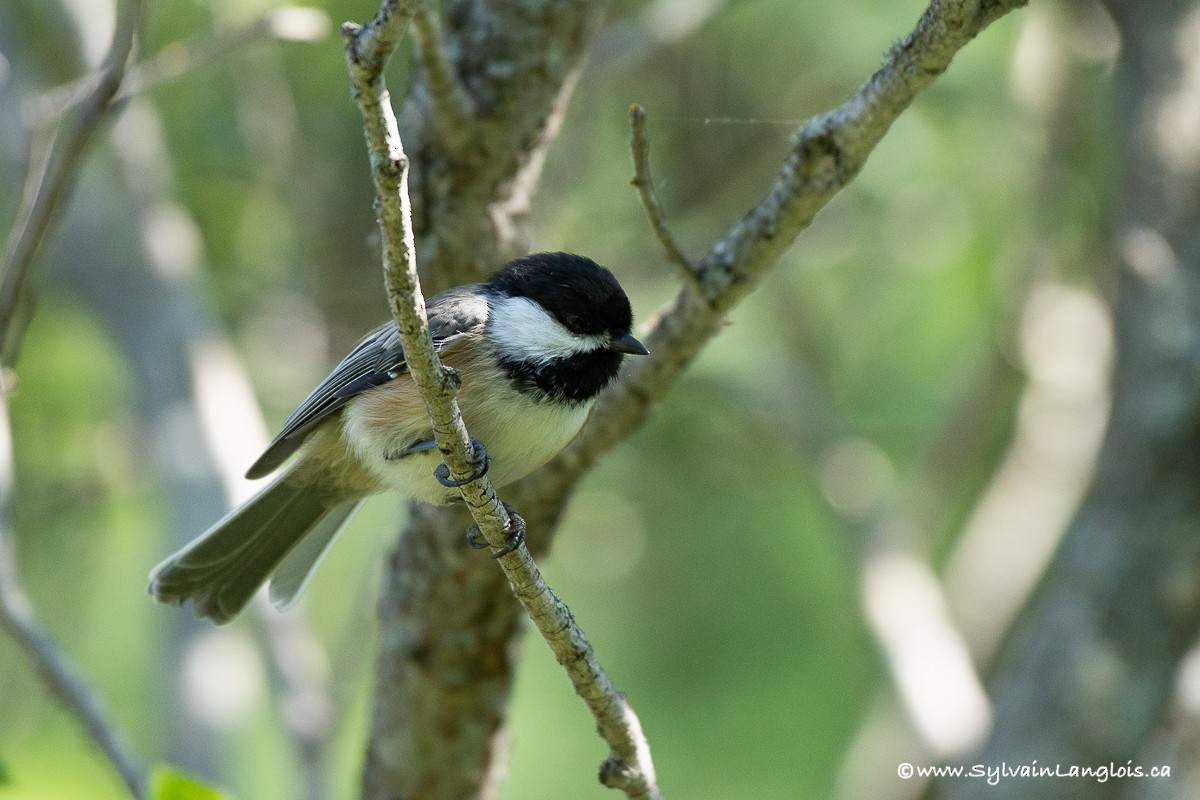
[[827, 152], [50, 182]]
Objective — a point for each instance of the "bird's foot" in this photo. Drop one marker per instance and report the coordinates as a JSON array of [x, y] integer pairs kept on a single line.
[[515, 538], [479, 464]]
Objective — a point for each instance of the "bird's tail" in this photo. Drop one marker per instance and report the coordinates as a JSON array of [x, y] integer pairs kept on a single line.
[[281, 533]]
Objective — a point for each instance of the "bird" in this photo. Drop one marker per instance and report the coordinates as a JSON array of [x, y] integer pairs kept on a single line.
[[534, 344]]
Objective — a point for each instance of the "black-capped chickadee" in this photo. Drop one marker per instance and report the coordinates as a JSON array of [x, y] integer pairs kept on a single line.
[[534, 345]]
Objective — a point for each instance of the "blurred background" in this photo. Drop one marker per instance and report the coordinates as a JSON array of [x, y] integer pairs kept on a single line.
[[808, 556]]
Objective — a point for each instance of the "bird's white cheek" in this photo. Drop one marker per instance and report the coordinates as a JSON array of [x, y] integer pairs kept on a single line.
[[522, 330]]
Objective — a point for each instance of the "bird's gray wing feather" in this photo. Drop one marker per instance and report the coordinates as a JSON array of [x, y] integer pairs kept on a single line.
[[375, 360]]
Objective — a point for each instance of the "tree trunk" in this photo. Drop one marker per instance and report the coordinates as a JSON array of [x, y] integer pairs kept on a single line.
[[1089, 668]]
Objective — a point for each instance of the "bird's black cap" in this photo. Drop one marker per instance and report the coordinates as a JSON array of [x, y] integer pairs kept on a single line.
[[582, 295]]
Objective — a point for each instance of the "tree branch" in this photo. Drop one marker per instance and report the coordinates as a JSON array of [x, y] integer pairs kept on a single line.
[[47, 189], [447, 623], [60, 677], [453, 109], [640, 145], [628, 767], [827, 152]]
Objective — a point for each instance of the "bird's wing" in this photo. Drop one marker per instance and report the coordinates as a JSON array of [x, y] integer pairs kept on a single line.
[[375, 360]]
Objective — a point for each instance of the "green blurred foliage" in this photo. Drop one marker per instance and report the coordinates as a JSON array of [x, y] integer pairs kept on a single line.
[[167, 784], [702, 558]]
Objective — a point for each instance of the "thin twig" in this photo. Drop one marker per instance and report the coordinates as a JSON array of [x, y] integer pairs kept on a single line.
[[628, 767], [46, 192], [640, 145], [60, 677], [453, 109]]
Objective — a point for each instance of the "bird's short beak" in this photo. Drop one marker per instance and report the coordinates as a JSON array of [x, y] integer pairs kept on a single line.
[[628, 344]]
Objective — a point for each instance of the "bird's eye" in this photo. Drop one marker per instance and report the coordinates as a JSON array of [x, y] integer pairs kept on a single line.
[[573, 321]]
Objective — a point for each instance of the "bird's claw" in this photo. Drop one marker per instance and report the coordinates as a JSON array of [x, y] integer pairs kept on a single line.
[[516, 534], [479, 461]]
